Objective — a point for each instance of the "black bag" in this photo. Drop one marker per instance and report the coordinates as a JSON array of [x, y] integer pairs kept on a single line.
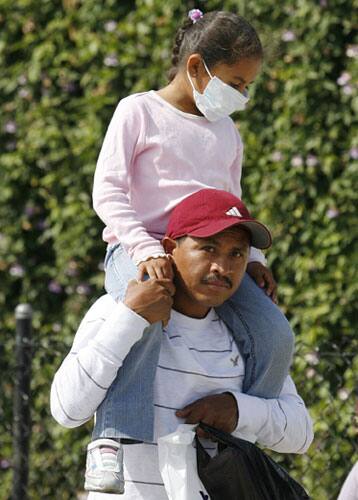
[[241, 471]]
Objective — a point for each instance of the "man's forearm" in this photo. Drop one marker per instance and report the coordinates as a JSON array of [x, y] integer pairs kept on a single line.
[[281, 424]]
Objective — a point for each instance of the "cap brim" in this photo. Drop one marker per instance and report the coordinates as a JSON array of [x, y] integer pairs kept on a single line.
[[260, 235]]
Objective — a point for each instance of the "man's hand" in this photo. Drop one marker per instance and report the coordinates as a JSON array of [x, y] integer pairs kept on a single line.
[[151, 299], [157, 267], [218, 410], [264, 278]]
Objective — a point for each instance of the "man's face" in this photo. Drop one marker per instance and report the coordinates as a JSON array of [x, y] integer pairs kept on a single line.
[[208, 270]]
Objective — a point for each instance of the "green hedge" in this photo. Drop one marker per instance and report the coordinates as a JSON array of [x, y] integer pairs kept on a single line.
[[64, 65]]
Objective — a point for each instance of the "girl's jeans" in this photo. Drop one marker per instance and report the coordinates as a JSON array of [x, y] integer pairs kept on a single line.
[[261, 331]]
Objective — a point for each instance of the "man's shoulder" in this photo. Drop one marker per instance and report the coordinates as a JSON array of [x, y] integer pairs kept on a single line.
[[101, 308]]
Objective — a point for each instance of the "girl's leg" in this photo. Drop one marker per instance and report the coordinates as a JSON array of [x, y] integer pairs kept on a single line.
[[127, 410], [119, 269], [264, 337]]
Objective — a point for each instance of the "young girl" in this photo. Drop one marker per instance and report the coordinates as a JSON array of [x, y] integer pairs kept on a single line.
[[160, 147]]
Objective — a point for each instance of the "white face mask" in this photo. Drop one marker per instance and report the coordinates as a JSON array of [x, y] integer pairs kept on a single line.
[[218, 99]]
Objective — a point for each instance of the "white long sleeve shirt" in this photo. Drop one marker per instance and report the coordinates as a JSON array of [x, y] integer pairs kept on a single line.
[[153, 156], [198, 357]]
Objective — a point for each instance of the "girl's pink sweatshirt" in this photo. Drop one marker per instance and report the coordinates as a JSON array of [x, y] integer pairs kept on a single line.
[[152, 157]]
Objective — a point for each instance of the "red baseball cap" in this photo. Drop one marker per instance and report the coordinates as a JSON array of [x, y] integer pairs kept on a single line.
[[210, 211]]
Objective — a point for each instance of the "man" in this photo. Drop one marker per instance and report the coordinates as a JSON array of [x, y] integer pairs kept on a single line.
[[200, 369]]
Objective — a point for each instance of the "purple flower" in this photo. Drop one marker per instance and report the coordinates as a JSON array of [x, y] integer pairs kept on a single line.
[[310, 372], [344, 78], [311, 161], [72, 269], [30, 210], [343, 394], [71, 272], [276, 156], [24, 93], [101, 266], [110, 26], [69, 87], [353, 153], [352, 51], [4, 464], [323, 3], [332, 213], [42, 225], [10, 127], [288, 36], [83, 289], [297, 161], [17, 271], [56, 327], [312, 358], [22, 80], [43, 164], [54, 287], [111, 60], [348, 89]]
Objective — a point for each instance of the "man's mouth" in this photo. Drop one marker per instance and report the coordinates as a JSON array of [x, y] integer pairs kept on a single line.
[[218, 282]]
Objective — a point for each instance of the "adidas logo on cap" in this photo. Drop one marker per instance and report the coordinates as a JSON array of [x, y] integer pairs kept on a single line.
[[234, 211]]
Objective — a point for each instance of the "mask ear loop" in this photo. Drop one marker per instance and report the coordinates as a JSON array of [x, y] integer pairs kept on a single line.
[[191, 81], [207, 69]]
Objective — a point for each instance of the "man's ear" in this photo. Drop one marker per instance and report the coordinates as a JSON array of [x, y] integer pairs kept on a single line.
[[169, 245]]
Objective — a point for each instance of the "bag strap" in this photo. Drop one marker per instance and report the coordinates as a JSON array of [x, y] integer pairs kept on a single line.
[[201, 452], [221, 436]]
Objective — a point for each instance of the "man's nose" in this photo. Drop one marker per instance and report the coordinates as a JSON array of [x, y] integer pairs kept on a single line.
[[222, 265]]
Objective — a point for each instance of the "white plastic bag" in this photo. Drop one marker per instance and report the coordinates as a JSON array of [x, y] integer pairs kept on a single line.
[[177, 465]]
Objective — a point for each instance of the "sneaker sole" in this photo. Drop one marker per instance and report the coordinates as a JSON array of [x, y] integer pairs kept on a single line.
[[104, 490]]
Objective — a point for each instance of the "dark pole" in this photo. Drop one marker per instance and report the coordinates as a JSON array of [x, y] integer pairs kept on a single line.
[[21, 420]]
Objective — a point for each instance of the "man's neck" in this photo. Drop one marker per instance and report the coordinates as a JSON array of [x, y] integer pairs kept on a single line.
[[190, 309]]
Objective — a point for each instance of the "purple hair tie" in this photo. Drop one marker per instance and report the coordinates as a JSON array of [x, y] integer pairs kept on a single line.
[[195, 15]]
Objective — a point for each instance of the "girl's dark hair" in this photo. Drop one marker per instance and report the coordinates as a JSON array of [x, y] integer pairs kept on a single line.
[[219, 37]]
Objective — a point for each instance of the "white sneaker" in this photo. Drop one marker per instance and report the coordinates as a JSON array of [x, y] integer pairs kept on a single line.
[[104, 471]]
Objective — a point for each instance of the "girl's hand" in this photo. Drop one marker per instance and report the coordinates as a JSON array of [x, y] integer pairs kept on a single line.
[[156, 268], [264, 278]]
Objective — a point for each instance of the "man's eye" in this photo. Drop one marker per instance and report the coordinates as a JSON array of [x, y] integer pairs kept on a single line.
[[238, 253], [208, 248]]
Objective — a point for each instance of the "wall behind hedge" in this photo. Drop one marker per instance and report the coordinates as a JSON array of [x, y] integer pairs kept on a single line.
[[64, 66]]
